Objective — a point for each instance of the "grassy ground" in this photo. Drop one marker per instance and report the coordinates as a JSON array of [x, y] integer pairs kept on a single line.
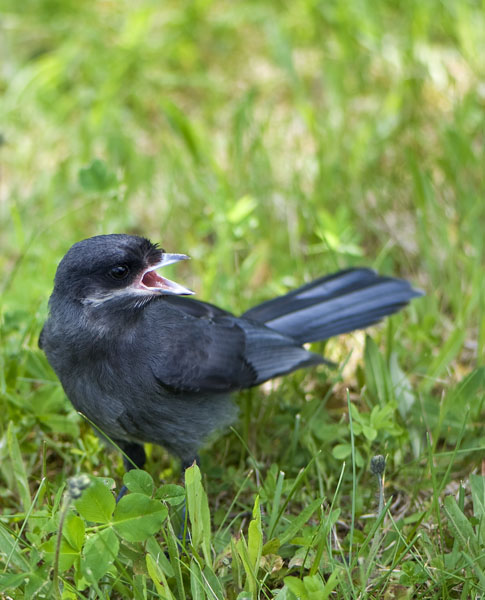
[[273, 142]]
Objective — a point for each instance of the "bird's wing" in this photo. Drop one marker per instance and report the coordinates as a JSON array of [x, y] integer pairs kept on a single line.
[[195, 308], [207, 350]]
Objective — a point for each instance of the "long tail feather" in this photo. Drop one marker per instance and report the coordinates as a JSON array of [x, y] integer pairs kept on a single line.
[[338, 303]]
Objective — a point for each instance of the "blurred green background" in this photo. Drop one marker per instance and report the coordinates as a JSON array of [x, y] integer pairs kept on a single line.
[[272, 142]]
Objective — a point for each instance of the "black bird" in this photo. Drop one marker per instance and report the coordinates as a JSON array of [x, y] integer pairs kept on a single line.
[[146, 364]]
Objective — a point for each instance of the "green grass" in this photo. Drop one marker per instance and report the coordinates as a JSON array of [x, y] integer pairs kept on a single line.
[[272, 142]]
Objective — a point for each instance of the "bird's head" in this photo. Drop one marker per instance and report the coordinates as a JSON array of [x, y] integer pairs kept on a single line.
[[115, 268]]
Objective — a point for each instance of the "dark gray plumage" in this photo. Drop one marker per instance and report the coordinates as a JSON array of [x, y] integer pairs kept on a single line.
[[147, 365]]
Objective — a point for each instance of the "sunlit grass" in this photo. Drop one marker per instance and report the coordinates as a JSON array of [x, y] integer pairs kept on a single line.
[[272, 143]]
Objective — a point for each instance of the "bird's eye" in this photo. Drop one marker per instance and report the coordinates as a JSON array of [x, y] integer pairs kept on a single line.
[[119, 272]]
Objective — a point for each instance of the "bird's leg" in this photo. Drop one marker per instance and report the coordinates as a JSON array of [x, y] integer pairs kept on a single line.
[[134, 457]]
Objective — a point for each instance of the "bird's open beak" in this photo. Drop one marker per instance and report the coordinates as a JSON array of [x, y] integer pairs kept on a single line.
[[152, 281]]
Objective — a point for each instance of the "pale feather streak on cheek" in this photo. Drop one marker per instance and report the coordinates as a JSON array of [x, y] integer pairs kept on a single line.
[[103, 297]]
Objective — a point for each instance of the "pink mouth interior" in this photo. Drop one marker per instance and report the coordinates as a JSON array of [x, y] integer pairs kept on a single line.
[[152, 280]]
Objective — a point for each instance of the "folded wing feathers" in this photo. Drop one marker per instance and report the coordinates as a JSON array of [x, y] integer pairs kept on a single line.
[[272, 354]]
